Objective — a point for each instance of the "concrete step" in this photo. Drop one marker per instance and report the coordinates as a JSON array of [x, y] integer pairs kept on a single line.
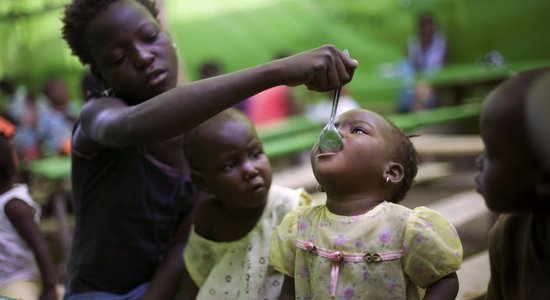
[[474, 276]]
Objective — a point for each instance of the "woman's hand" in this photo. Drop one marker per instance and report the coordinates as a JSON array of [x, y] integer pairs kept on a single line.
[[320, 69]]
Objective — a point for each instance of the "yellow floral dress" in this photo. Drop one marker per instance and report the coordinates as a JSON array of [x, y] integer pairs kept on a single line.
[[241, 269], [386, 253]]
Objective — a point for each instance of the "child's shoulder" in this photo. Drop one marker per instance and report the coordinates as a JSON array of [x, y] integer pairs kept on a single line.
[[288, 197], [18, 191]]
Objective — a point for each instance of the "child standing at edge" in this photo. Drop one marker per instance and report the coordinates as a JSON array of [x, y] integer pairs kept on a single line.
[[227, 254], [27, 270], [514, 181], [132, 195], [362, 244]]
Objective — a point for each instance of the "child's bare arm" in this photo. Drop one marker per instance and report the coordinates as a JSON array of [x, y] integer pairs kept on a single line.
[[21, 215], [288, 291], [444, 288], [189, 289]]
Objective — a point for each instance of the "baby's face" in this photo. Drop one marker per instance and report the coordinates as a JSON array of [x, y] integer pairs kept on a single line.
[[131, 52], [367, 149], [235, 167], [507, 172]]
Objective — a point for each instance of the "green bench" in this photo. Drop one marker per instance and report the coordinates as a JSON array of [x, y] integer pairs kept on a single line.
[[294, 135]]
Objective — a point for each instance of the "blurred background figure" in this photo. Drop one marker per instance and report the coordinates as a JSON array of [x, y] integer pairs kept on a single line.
[[274, 104], [56, 120], [27, 270], [426, 53], [320, 110], [24, 110], [7, 92], [211, 68]]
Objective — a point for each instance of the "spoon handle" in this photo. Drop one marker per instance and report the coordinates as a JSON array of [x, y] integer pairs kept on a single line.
[[334, 104], [336, 96]]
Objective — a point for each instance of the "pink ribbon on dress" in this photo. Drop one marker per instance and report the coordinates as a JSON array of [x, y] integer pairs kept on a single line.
[[336, 257]]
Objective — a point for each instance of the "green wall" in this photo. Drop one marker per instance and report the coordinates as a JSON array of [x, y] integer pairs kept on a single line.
[[242, 33]]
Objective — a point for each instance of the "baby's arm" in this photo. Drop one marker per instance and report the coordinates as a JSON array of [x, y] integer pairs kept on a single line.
[[288, 291], [444, 288], [21, 215]]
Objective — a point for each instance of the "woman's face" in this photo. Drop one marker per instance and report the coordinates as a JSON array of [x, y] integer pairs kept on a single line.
[[131, 53]]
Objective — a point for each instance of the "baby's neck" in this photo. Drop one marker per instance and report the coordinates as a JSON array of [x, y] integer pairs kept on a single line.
[[353, 205]]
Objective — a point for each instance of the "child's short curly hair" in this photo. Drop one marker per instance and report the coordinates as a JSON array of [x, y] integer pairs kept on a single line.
[[78, 16], [406, 155]]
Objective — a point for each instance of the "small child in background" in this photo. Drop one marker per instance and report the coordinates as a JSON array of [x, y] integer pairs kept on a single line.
[[227, 254], [514, 182], [27, 270], [361, 244]]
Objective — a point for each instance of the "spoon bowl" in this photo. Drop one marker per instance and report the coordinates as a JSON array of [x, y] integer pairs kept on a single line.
[[330, 139]]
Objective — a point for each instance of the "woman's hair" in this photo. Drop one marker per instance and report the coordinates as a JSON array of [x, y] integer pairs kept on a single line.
[[406, 155], [78, 16], [7, 163]]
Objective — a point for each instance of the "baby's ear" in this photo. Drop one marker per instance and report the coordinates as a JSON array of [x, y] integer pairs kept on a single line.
[[197, 178], [395, 172]]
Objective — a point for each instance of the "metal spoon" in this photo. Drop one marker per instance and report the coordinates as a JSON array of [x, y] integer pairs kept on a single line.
[[329, 139]]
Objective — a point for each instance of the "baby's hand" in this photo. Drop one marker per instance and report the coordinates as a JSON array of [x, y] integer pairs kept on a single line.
[[320, 69]]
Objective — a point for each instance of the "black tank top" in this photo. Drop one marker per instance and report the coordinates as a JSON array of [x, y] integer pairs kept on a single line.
[[127, 207]]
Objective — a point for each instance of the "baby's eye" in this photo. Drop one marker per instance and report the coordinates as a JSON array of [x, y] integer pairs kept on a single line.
[[359, 131], [118, 60], [152, 36], [256, 153], [229, 165]]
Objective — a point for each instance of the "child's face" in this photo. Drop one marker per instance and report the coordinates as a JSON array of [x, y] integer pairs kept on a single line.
[[234, 166], [131, 52], [367, 151], [507, 172]]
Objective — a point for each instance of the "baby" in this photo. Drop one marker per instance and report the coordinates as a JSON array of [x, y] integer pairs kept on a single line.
[[362, 244]]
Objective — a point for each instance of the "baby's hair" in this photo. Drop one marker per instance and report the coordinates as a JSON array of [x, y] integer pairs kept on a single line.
[[7, 162], [194, 139], [406, 155], [78, 16]]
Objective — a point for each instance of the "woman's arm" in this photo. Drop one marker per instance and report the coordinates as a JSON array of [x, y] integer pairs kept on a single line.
[[21, 215], [444, 288], [108, 122]]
